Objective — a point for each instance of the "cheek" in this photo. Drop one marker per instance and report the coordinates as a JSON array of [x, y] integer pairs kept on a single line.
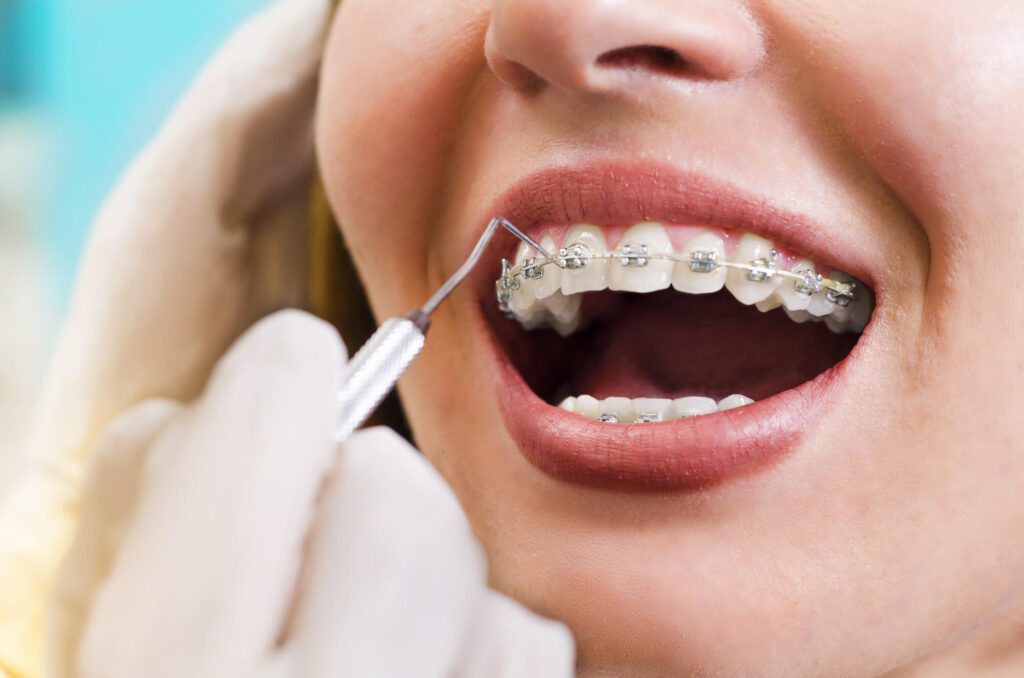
[[931, 94], [393, 77]]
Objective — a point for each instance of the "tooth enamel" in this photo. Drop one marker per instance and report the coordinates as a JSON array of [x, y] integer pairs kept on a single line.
[[551, 295], [692, 406], [568, 404], [798, 316], [694, 282], [769, 304], [750, 248], [587, 406], [661, 408], [733, 401], [620, 407], [564, 312], [819, 305], [551, 281], [593, 276], [646, 275], [837, 326], [787, 291]]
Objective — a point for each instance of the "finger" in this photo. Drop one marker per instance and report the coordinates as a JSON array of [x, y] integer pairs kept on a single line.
[[109, 496], [207, 566], [394, 573]]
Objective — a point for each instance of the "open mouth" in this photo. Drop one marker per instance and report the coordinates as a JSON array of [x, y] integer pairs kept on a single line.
[[671, 322], [666, 355]]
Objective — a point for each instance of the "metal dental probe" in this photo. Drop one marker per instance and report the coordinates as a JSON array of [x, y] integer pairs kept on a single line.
[[375, 369]]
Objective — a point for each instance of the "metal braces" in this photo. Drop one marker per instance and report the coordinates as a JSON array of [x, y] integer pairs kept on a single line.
[[576, 256]]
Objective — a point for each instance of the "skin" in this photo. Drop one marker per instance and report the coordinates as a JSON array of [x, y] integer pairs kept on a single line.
[[891, 540]]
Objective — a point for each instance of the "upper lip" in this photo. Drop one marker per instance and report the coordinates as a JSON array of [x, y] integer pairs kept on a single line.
[[613, 192]]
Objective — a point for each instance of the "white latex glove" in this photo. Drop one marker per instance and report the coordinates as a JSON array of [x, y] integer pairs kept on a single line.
[[232, 538]]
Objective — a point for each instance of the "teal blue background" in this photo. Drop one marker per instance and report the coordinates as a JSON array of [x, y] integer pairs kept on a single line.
[[99, 75]]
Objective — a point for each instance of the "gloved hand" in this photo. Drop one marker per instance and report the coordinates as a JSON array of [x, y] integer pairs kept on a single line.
[[232, 538]]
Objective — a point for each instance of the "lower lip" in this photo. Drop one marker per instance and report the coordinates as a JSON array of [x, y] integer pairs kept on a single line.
[[682, 455]]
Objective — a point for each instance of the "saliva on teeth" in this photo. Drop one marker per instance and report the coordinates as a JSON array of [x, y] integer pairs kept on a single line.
[[649, 410], [541, 293]]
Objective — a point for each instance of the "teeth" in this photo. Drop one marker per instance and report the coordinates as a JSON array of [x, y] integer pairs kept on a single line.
[[621, 408], [652, 409], [594, 275], [787, 292], [551, 294], [587, 406], [551, 281], [820, 306], [648, 410], [640, 274], [685, 279], [564, 312], [692, 406], [747, 286], [733, 401]]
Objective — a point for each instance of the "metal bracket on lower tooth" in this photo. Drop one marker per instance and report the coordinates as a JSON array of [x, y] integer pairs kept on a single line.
[[609, 418], [763, 269], [703, 261], [647, 418], [634, 254]]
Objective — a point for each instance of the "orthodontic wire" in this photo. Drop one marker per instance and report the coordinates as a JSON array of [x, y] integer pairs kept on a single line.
[[575, 256]]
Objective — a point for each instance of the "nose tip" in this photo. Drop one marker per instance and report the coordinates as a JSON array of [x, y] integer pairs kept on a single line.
[[591, 45]]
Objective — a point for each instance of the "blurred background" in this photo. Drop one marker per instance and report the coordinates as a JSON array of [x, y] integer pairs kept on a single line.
[[83, 85]]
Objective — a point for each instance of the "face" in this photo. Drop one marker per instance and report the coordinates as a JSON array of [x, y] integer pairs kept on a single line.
[[865, 512]]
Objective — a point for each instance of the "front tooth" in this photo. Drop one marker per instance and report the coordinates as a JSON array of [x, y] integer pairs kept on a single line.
[[594, 274], [568, 404], [733, 401], [692, 406], [659, 408], [750, 248], [622, 408], [551, 281], [791, 299], [588, 406], [684, 276], [649, 275]]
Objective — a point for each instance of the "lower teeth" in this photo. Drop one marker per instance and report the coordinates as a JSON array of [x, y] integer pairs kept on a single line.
[[648, 410]]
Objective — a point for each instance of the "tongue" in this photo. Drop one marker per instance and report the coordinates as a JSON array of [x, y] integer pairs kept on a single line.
[[669, 345]]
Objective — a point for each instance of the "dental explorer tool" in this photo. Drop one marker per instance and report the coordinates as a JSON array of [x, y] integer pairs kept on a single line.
[[375, 369]]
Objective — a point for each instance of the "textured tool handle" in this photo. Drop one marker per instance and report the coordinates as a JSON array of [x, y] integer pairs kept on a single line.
[[375, 370]]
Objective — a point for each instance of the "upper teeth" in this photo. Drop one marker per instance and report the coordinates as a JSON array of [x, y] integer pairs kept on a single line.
[[539, 290]]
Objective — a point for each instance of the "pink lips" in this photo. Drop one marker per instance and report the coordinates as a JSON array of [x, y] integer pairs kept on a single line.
[[688, 454]]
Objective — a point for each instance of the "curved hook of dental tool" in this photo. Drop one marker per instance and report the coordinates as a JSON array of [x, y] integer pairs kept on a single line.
[[376, 367], [428, 308]]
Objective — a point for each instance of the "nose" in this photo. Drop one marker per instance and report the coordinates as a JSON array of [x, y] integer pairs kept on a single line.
[[603, 45]]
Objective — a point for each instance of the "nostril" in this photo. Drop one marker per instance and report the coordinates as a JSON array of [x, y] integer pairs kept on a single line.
[[653, 58]]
